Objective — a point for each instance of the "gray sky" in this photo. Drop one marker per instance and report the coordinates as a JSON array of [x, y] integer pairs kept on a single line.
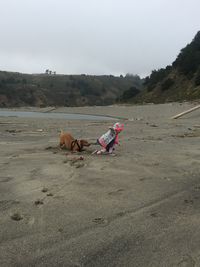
[[94, 36]]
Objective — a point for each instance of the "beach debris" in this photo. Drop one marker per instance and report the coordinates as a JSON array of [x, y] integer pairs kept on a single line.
[[16, 216], [185, 112]]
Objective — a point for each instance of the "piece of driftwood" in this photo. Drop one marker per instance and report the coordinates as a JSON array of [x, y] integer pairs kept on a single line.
[[185, 112]]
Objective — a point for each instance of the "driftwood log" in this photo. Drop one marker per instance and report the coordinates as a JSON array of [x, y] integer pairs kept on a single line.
[[185, 112]]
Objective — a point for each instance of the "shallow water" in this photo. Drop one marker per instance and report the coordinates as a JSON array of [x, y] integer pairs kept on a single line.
[[52, 115]]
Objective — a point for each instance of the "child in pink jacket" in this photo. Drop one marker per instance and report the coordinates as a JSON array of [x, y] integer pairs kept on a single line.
[[108, 140]]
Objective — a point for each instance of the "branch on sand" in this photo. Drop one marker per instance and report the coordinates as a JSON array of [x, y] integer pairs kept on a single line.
[[185, 112]]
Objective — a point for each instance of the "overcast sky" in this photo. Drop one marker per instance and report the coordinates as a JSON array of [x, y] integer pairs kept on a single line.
[[95, 36]]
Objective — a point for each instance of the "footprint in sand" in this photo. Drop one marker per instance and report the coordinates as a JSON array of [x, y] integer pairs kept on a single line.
[[120, 214], [31, 221], [44, 189], [6, 204], [38, 202], [197, 188], [79, 165], [99, 220], [154, 214], [16, 216], [188, 201], [5, 179], [116, 192], [187, 261], [49, 195]]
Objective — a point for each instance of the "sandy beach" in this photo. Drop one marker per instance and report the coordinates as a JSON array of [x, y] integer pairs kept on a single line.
[[139, 208]]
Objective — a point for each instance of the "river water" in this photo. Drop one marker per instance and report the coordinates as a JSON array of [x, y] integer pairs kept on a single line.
[[53, 115]]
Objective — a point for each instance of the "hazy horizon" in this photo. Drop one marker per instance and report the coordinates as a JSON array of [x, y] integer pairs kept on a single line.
[[94, 37]]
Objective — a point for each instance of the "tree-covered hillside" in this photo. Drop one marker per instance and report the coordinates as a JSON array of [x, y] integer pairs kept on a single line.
[[178, 82], [17, 89]]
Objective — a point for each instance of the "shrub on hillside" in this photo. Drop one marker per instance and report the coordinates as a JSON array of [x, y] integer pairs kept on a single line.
[[156, 77], [188, 60], [130, 93], [197, 78], [167, 84]]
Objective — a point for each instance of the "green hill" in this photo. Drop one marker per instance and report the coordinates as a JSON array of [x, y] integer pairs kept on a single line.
[[178, 82], [17, 89]]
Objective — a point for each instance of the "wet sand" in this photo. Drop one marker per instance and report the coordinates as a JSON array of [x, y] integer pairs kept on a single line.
[[139, 208]]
